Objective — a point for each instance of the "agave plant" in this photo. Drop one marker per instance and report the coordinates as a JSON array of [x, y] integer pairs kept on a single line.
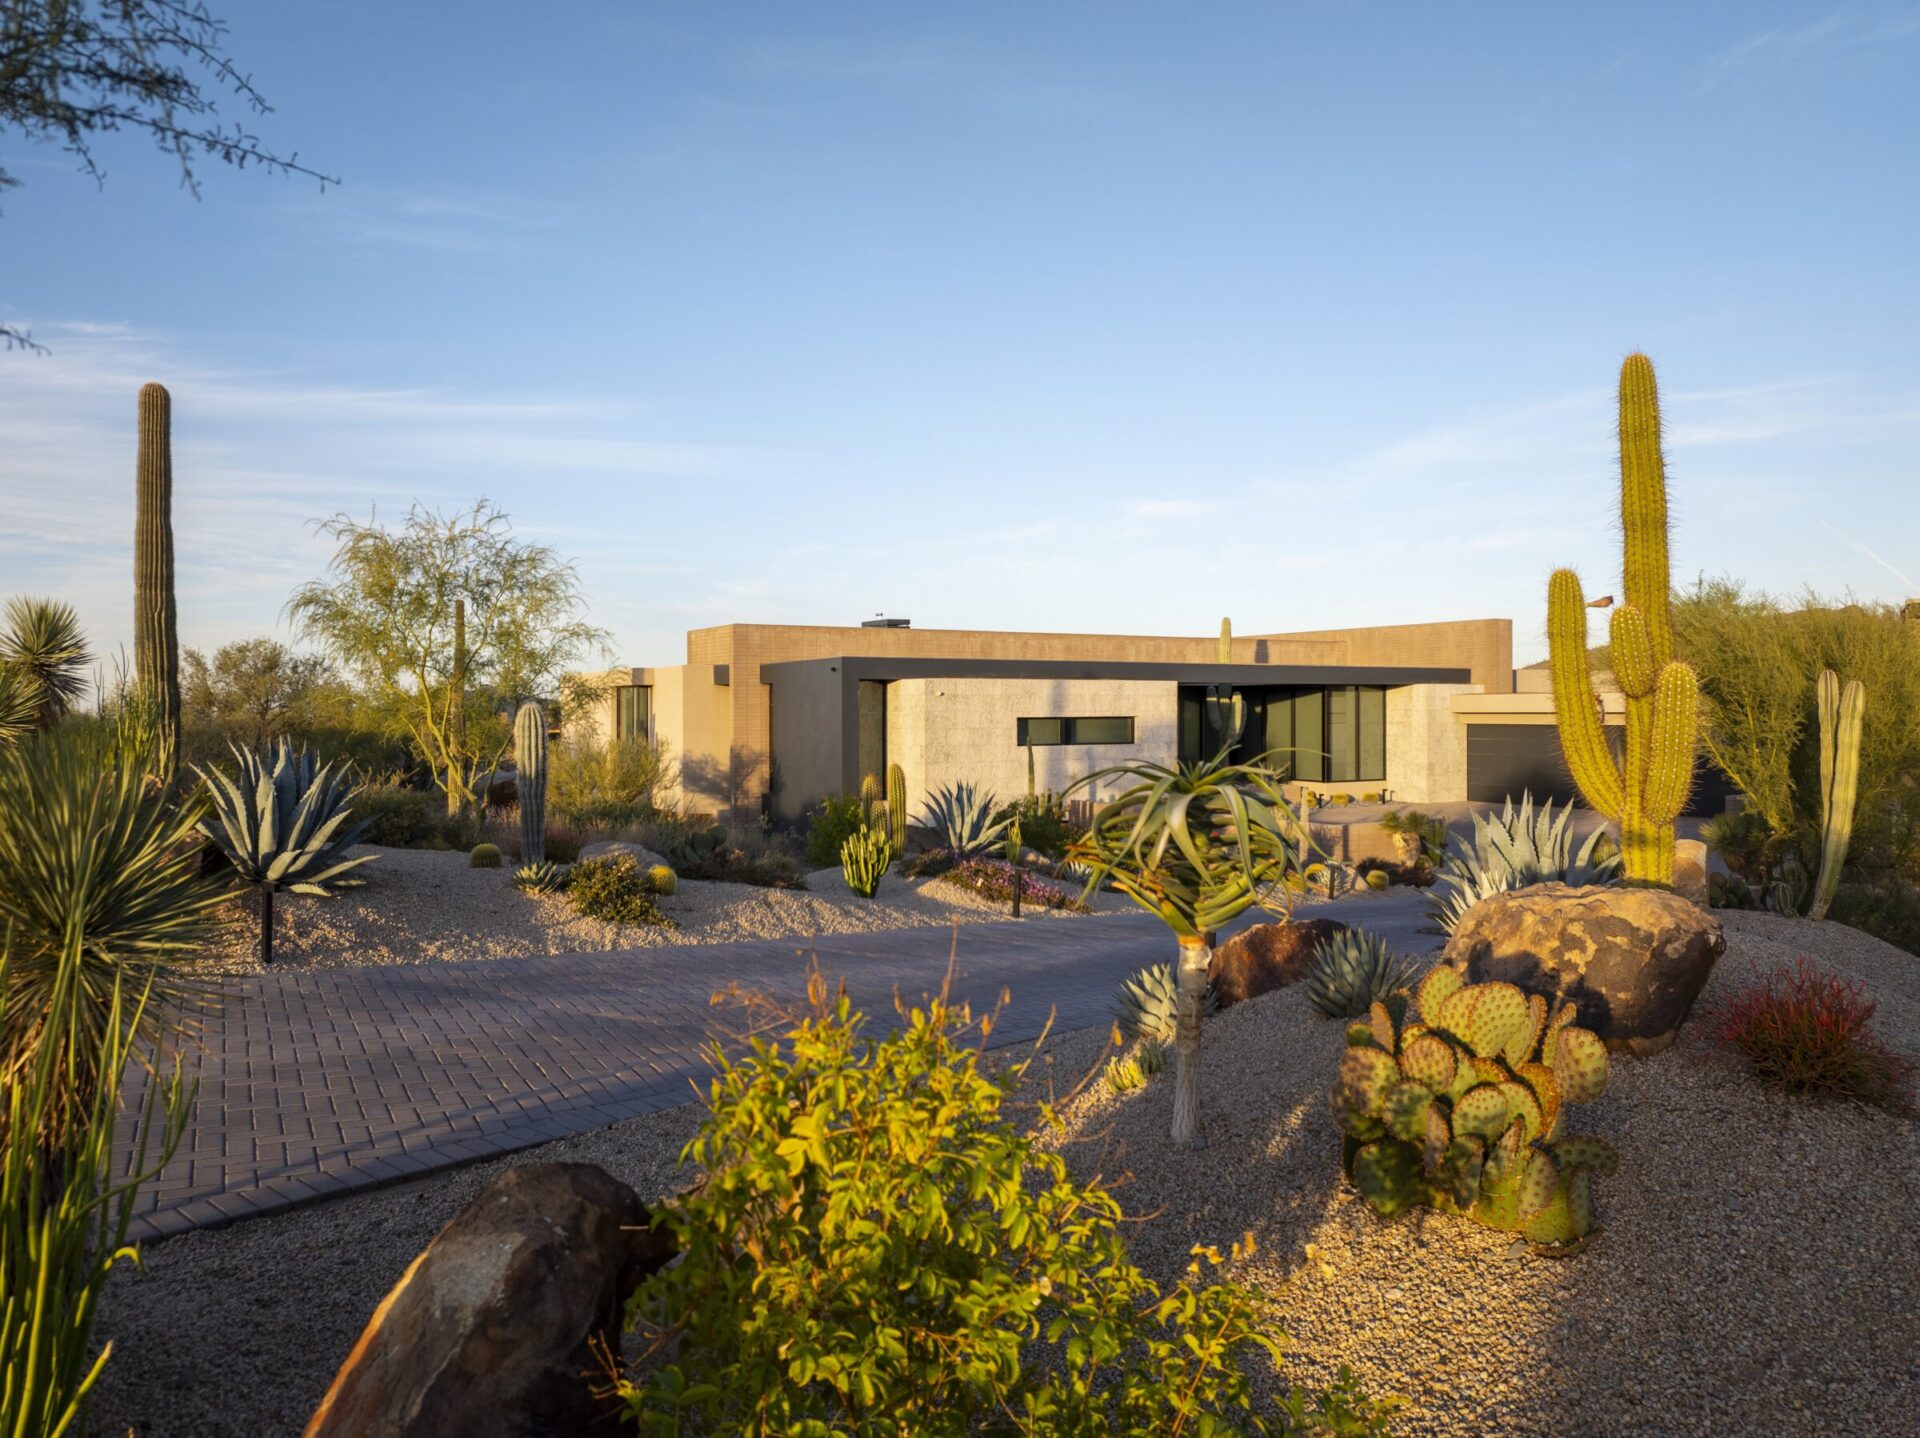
[[545, 877], [1147, 1005], [282, 825], [1351, 970], [1515, 850], [962, 817]]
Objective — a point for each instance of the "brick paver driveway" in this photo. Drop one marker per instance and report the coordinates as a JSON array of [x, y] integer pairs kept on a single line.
[[314, 1084]]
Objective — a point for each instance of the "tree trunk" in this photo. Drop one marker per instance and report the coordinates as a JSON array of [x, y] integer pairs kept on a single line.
[[266, 924], [1195, 956]]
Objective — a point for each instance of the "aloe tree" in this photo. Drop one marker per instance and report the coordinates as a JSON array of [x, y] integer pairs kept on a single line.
[[1196, 845], [282, 825]]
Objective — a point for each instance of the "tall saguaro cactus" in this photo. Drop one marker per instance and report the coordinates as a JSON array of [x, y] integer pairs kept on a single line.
[[530, 764], [1645, 795], [1226, 711], [1841, 712], [897, 808], [156, 641]]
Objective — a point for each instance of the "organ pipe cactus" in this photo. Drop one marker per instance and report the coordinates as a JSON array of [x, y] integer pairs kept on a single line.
[[1840, 715], [1462, 1109], [282, 825], [530, 763], [156, 641], [897, 807], [864, 859], [1647, 793]]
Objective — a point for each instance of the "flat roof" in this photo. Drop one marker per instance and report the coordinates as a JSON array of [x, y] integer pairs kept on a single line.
[[883, 667]]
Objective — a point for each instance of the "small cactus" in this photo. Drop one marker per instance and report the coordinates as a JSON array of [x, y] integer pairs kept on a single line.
[[1350, 970], [1125, 1075], [1460, 1108], [897, 807], [530, 764], [864, 859], [484, 856], [663, 881]]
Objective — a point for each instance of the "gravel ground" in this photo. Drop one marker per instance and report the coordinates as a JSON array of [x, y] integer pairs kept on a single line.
[[1757, 1275], [421, 905]]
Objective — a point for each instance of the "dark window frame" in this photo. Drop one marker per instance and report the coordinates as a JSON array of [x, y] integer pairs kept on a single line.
[[1069, 730]]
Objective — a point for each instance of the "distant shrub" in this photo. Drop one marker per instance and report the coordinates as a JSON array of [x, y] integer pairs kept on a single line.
[[921, 1264], [1890, 911], [928, 863], [564, 842], [720, 857], [607, 784], [1419, 876], [994, 878], [484, 856], [833, 822], [401, 818], [1044, 825], [614, 889], [1806, 1029]]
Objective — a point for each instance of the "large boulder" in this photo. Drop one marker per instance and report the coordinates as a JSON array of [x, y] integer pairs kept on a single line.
[[1266, 957], [1632, 960], [495, 1331]]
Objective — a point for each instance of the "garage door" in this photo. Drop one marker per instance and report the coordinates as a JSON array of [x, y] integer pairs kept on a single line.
[[1505, 759]]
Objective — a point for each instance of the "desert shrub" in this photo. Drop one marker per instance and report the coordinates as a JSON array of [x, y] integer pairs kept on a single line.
[[928, 863], [1890, 911], [1745, 843], [1419, 876], [831, 823], [1044, 825], [994, 879], [564, 842], [879, 1249], [615, 890], [402, 818], [484, 856], [606, 783], [1807, 1030], [720, 856]]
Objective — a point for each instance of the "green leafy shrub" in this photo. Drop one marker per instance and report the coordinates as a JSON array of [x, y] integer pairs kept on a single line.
[[484, 856], [614, 889], [1889, 910], [878, 1249], [1044, 825], [398, 817], [717, 856], [833, 822], [606, 784], [1808, 1030], [564, 843]]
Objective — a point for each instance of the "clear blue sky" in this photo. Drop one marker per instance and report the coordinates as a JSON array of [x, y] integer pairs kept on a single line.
[[1098, 316]]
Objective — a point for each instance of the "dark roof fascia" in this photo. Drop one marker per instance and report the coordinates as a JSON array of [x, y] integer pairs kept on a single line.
[[856, 667]]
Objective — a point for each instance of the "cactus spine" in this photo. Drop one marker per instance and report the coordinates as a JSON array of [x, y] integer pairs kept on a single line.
[[530, 760], [1662, 693], [1840, 716], [156, 640], [897, 808]]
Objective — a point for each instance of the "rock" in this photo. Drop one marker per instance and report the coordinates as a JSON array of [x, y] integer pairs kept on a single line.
[[1690, 870], [1266, 957], [1632, 960], [642, 855], [492, 1332]]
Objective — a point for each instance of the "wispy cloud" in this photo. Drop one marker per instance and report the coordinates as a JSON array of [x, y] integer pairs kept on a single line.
[[456, 221], [1782, 45], [965, 71]]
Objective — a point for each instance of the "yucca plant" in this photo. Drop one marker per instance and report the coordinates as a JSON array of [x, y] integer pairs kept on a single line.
[[1515, 850], [961, 818], [44, 648], [17, 710], [282, 825], [89, 848], [66, 1197], [1196, 845]]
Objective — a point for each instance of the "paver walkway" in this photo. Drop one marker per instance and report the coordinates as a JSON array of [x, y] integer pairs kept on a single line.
[[313, 1084]]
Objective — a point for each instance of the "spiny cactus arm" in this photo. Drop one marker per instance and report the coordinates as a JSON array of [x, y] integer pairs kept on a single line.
[[1676, 720], [1840, 720], [1583, 735], [1632, 651], [1226, 641], [1643, 504]]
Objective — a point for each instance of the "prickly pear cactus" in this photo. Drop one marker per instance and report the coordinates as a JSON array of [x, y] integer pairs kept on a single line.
[[1455, 1099]]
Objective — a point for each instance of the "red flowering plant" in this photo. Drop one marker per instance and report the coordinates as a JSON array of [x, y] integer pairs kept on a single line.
[[1808, 1030]]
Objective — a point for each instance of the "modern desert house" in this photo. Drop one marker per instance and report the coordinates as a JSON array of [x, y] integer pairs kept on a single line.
[[768, 719]]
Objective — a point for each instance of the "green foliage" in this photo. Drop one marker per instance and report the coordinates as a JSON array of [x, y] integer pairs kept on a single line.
[[544, 877], [399, 817], [254, 691], [1647, 793], [67, 1197], [1461, 1111], [1515, 850], [18, 710], [878, 1250], [1043, 823], [387, 617], [614, 889], [995, 879], [720, 856], [484, 856], [1351, 970], [156, 639], [864, 859], [1124, 1075], [1429, 829], [1746, 844], [1145, 1006], [607, 783], [44, 659], [833, 821], [1730, 891], [1889, 910], [89, 846], [962, 819]]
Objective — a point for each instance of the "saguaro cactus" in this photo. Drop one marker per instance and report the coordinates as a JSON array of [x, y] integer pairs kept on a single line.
[[1840, 716], [1226, 710], [1226, 641], [530, 760], [156, 641], [1662, 693], [897, 808]]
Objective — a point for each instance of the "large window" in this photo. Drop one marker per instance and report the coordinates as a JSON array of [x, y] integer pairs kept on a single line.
[[1335, 735], [1108, 729], [633, 711]]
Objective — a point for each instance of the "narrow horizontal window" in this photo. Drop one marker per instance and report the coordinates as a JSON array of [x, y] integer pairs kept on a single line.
[[1104, 729]]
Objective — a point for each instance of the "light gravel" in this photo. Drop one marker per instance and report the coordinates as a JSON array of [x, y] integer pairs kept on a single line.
[[1757, 1273], [428, 906]]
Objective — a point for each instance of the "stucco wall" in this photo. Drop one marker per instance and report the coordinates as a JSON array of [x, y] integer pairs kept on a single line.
[[1426, 745], [944, 731]]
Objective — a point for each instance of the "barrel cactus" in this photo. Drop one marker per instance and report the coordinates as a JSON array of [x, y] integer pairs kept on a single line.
[[530, 762], [1462, 1110], [1351, 970], [1147, 1005]]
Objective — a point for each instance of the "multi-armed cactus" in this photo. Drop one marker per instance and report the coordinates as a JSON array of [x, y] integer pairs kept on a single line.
[[1462, 1110], [1662, 693], [1226, 710], [156, 642], [530, 762], [1841, 712], [897, 808]]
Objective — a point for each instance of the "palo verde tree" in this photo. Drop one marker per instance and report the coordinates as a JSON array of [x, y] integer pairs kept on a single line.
[[73, 70], [387, 616]]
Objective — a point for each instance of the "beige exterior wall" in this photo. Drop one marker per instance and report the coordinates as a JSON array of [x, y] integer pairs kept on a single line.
[[1426, 745], [944, 732]]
